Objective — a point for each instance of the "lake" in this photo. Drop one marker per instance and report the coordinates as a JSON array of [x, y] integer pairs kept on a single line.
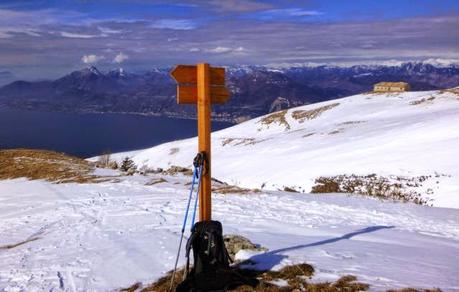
[[87, 135]]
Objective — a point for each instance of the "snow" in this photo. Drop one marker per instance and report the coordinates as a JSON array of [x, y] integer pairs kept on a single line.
[[407, 134], [109, 235], [437, 62], [100, 237]]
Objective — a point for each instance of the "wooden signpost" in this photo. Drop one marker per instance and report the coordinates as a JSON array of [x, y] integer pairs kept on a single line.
[[202, 85]]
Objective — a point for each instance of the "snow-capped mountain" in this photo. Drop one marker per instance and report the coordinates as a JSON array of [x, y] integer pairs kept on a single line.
[[409, 138], [255, 90]]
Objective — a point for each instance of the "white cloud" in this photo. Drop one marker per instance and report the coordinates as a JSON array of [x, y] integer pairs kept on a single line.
[[220, 50], [291, 12], [224, 50], [195, 50], [302, 12], [176, 24], [11, 31], [107, 30], [91, 59], [77, 35], [120, 58]]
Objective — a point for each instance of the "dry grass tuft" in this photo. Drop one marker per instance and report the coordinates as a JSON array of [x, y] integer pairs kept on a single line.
[[162, 285], [229, 189], [308, 135], [13, 245], [454, 90], [396, 188], [415, 290], [422, 100], [47, 165], [337, 131], [351, 123], [173, 151], [278, 118], [227, 141], [178, 169], [295, 275], [302, 115], [132, 288], [290, 190], [241, 141], [156, 181], [289, 272]]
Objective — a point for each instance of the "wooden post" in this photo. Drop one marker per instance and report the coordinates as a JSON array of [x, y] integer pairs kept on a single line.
[[204, 129], [202, 85]]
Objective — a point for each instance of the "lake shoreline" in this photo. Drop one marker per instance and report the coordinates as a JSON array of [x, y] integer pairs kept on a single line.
[[90, 134]]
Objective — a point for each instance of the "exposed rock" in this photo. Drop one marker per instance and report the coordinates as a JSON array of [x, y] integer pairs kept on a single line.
[[235, 243], [279, 104]]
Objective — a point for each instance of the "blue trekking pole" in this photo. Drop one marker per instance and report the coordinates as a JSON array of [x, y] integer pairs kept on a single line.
[[197, 172]]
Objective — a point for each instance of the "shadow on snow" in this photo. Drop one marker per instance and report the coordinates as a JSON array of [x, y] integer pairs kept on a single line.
[[266, 261]]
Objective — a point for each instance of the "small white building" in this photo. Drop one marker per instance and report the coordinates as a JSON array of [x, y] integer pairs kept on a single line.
[[391, 87]]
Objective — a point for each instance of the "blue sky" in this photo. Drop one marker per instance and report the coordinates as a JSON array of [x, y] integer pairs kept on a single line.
[[44, 39]]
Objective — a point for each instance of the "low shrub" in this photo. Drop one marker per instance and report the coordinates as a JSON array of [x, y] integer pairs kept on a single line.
[[397, 188]]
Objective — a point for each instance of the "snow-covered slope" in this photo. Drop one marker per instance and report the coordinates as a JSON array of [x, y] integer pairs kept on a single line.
[[101, 237], [411, 134]]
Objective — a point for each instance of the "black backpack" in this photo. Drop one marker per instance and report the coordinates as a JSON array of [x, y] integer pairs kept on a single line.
[[211, 270]]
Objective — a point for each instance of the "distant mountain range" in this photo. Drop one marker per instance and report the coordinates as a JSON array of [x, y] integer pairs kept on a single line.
[[256, 90]]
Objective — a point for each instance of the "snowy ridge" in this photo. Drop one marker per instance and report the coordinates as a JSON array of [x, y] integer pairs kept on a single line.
[[407, 134], [437, 62]]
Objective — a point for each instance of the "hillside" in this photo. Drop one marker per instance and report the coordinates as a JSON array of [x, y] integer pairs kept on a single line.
[[255, 90], [66, 225], [402, 142], [73, 227], [125, 230]]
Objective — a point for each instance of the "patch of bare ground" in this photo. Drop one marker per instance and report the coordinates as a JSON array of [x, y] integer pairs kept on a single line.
[[225, 188], [132, 288], [173, 151], [220, 187], [351, 123], [302, 115], [13, 245], [230, 189], [156, 181], [178, 169], [307, 135], [337, 131], [368, 93], [241, 141], [451, 90], [275, 118], [415, 290], [397, 188], [422, 101], [290, 190], [296, 276], [47, 165]]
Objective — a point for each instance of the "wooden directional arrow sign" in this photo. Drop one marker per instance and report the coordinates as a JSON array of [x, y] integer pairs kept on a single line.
[[187, 87], [202, 85]]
